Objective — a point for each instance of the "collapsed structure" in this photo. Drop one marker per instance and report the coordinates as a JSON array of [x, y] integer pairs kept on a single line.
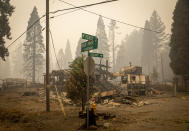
[[133, 81]]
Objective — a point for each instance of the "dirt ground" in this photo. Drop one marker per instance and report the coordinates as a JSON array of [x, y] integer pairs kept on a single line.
[[27, 113]]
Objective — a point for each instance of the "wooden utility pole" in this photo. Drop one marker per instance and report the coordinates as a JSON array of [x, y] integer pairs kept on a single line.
[[47, 58]]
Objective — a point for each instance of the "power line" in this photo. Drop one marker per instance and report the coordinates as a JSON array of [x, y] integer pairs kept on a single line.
[[54, 49], [84, 6], [112, 18], [63, 14], [25, 31], [36, 22], [76, 7]]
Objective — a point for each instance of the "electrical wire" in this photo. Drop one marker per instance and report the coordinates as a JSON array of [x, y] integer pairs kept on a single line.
[[84, 6], [135, 26], [64, 13], [54, 49], [25, 31], [76, 7]]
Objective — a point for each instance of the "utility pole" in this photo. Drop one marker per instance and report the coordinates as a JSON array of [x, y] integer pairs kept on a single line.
[[47, 58], [34, 54]]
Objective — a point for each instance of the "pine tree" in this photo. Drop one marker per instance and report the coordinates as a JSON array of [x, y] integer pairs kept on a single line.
[[76, 83], [165, 63], [112, 28], [157, 38], [6, 10], [152, 42], [129, 50], [68, 55], [121, 54], [60, 58], [103, 46], [34, 49], [147, 50], [78, 49], [179, 54]]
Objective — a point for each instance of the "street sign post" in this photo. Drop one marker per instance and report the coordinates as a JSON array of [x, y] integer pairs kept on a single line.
[[91, 44], [96, 55], [89, 66]]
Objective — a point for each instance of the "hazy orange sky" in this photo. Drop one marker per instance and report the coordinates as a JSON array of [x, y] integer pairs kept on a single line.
[[70, 26]]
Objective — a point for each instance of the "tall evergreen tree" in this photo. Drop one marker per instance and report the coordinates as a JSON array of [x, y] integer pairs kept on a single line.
[[78, 52], [129, 50], [6, 10], [152, 42], [34, 48], [112, 29], [157, 38], [78, 48], [179, 53], [147, 50], [120, 61], [103, 46], [60, 58], [68, 55], [165, 63]]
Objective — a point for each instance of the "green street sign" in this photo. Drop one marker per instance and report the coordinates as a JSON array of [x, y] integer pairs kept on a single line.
[[88, 37], [96, 55], [91, 44]]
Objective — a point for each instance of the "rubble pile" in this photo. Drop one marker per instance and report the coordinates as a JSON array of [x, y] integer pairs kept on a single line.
[[114, 99]]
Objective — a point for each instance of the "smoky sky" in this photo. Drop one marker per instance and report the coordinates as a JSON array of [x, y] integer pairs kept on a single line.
[[70, 26]]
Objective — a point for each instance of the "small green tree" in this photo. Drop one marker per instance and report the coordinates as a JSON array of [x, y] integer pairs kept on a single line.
[[76, 84]]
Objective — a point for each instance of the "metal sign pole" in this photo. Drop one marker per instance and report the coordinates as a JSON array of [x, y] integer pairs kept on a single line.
[[88, 93]]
